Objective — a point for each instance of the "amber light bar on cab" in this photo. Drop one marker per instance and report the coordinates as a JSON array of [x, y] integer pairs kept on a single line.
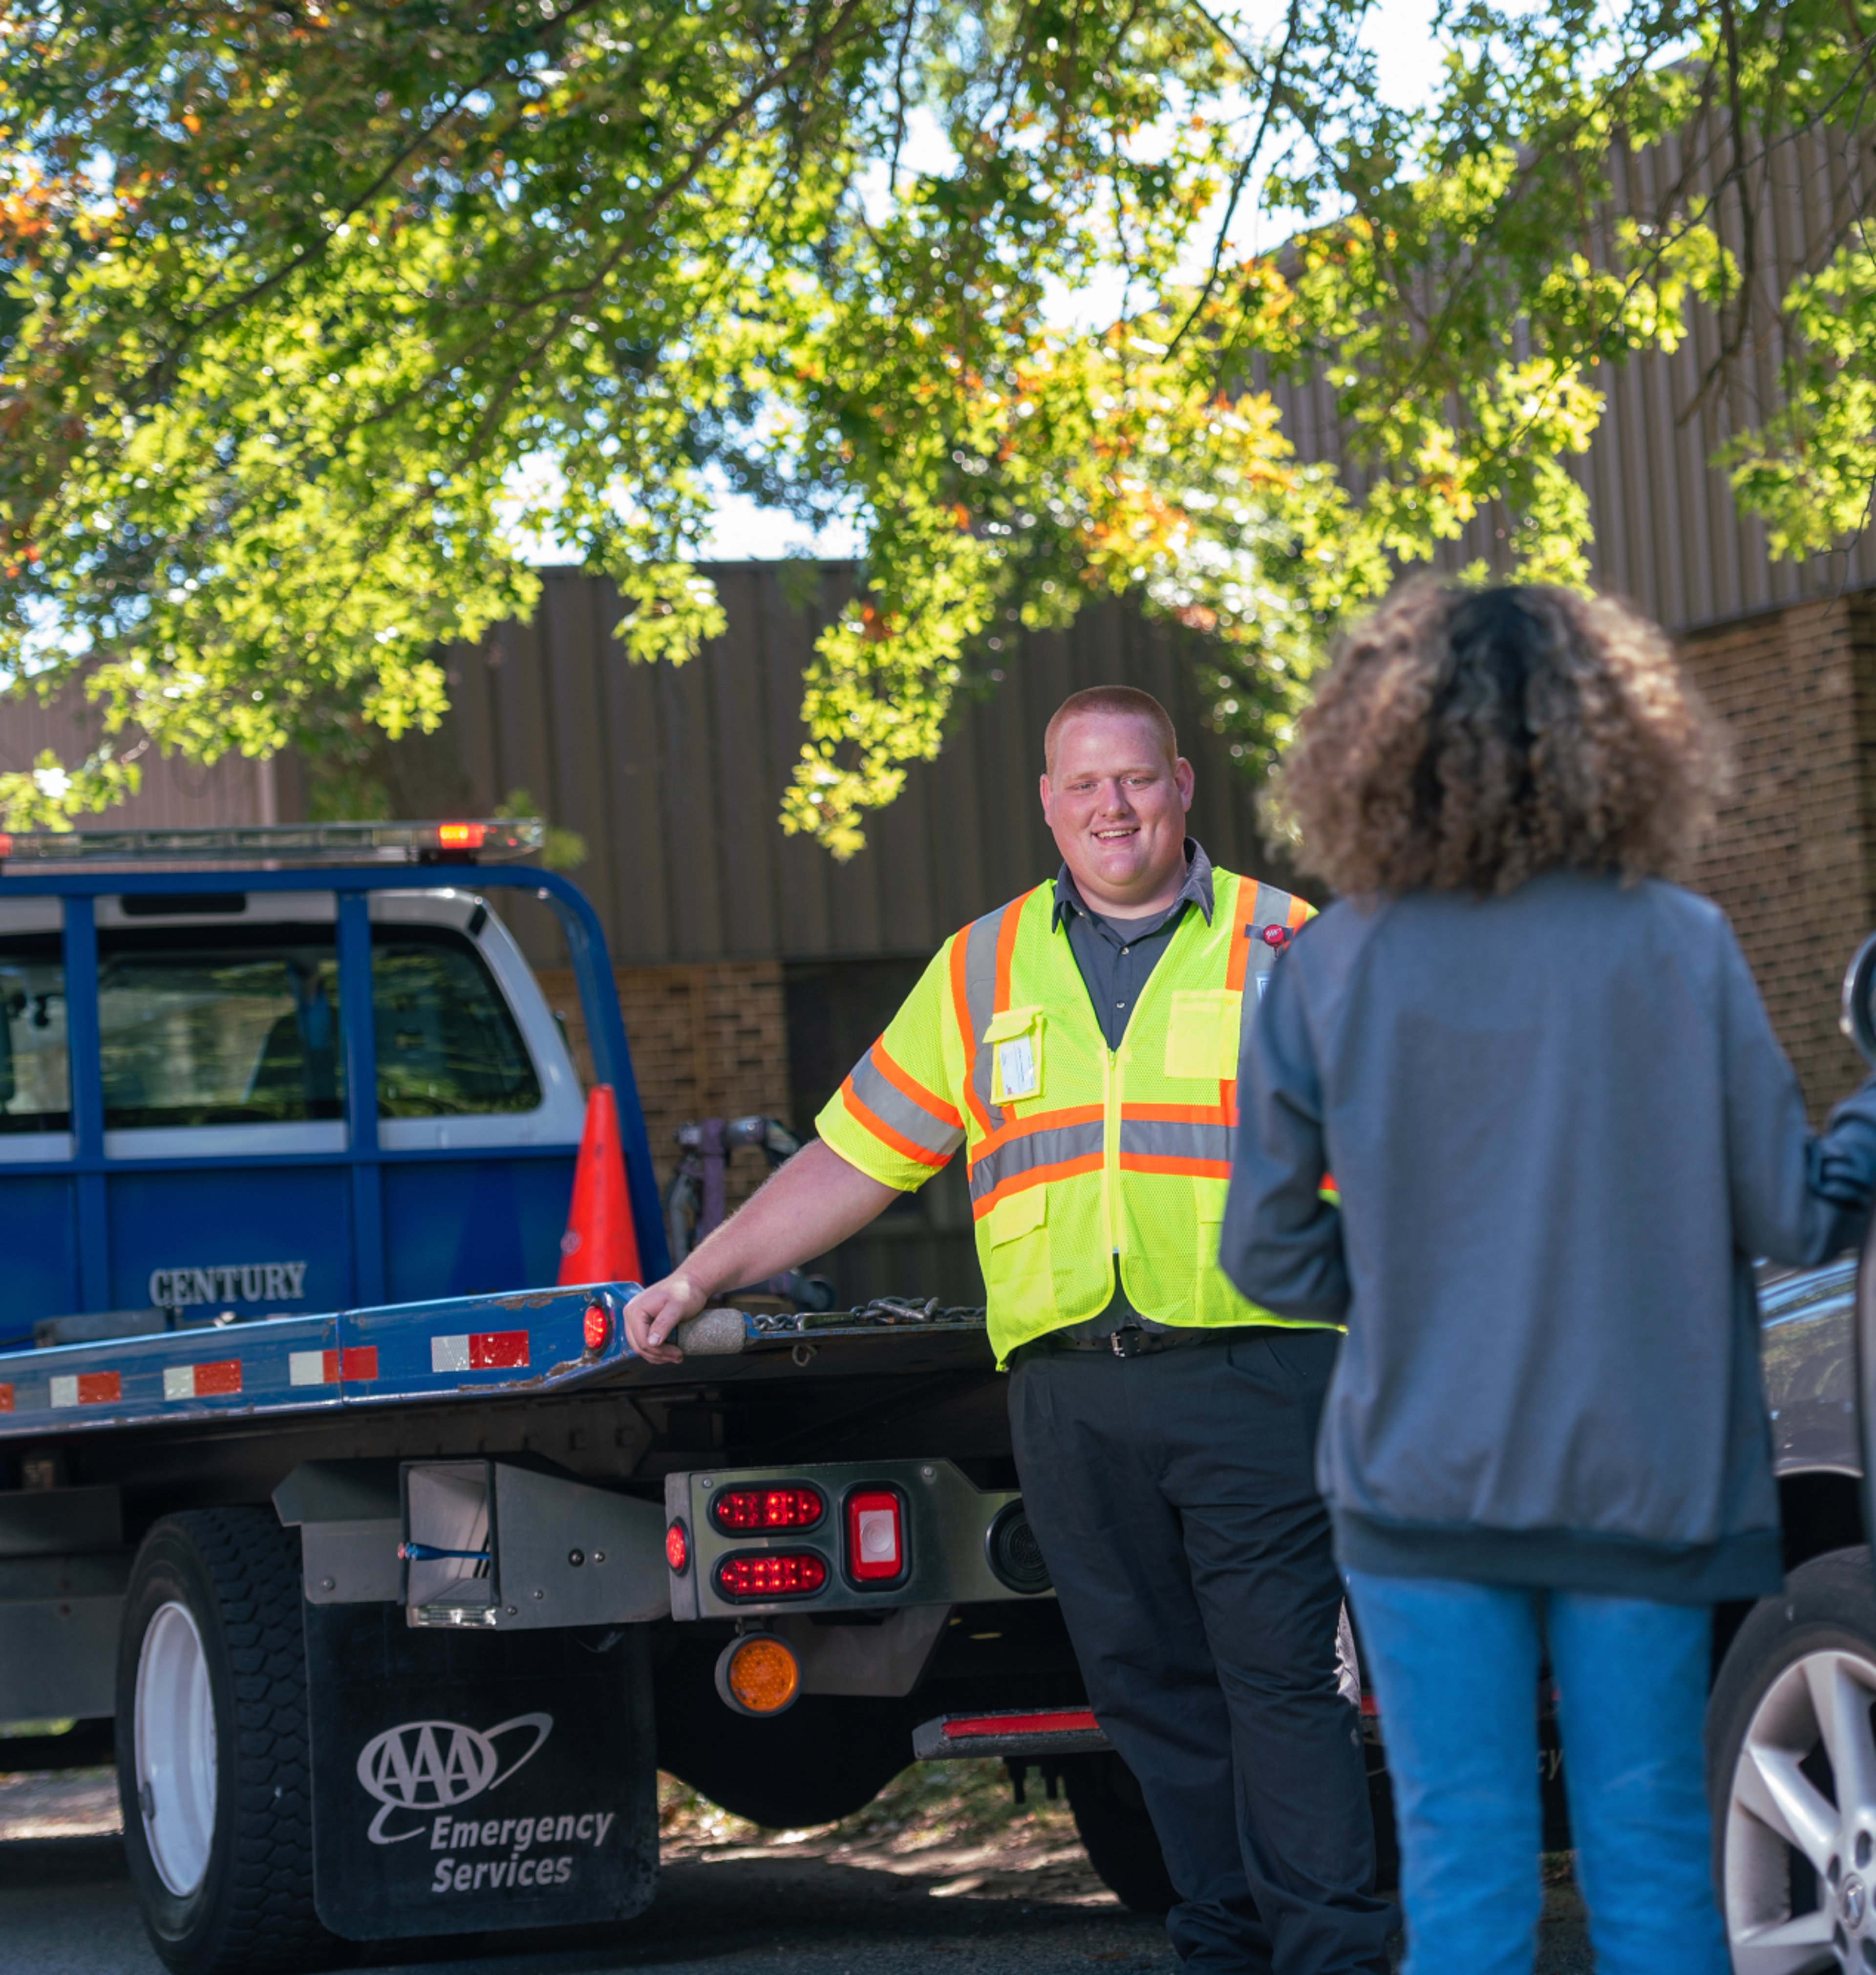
[[464, 843]]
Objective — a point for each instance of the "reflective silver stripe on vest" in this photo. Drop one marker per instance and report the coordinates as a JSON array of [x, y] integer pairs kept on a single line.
[[1269, 907], [1165, 1138], [979, 977], [1036, 1148], [892, 1106]]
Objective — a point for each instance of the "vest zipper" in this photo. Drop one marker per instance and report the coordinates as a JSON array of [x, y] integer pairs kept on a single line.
[[1110, 1161]]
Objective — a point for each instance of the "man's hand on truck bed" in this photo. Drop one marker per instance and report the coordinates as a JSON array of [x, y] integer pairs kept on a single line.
[[812, 1204], [654, 1313]]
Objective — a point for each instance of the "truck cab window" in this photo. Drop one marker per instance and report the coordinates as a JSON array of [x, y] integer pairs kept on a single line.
[[34, 1090], [215, 1025], [448, 1045]]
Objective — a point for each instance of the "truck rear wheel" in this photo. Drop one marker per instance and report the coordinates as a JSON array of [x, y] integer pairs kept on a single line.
[[212, 1767], [1116, 1833]]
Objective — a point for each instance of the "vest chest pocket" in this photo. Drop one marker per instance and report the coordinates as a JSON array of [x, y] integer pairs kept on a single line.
[[1014, 1040], [1202, 1032]]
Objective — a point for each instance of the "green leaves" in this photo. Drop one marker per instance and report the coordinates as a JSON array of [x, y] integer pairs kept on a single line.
[[308, 311]]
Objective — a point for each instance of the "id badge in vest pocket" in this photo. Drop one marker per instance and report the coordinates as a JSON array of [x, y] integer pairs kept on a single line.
[[1014, 1040]]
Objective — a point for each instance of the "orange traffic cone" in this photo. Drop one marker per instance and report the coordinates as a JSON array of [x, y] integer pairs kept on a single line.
[[600, 1245]]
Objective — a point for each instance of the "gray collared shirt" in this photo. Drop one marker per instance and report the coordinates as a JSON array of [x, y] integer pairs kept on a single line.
[[1116, 957]]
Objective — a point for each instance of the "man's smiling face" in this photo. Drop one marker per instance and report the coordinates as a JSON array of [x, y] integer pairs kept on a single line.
[[1115, 802]]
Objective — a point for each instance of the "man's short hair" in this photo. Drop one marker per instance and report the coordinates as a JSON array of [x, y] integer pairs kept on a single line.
[[1124, 699]]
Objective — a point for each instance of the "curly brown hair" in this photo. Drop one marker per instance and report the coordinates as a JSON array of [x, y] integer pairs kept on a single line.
[[1468, 738]]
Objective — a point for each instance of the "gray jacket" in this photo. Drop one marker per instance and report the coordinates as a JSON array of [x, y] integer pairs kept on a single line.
[[1562, 1130]]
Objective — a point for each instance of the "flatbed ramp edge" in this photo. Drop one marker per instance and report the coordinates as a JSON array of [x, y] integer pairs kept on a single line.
[[533, 1342]]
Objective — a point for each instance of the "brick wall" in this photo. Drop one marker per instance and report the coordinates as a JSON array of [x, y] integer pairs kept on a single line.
[[1794, 859], [707, 1041]]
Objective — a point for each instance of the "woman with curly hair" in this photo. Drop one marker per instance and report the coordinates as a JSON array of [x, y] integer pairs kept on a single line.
[[1562, 1130]]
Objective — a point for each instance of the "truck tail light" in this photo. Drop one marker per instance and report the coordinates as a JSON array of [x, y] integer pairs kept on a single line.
[[677, 1549], [596, 1326], [764, 1574], [875, 1536], [746, 1511], [758, 1675]]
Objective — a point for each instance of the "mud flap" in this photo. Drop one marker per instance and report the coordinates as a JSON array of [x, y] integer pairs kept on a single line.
[[478, 1781]]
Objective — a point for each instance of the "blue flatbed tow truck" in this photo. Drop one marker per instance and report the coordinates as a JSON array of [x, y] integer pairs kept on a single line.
[[385, 1573]]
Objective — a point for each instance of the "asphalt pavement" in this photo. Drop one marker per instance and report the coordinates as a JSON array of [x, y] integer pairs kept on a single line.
[[784, 1906]]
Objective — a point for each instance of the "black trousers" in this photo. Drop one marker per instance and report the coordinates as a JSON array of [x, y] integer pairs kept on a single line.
[[1173, 1496]]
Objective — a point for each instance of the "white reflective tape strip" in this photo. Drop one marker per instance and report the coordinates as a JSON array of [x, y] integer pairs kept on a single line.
[[178, 1381], [449, 1354], [307, 1368], [65, 1390]]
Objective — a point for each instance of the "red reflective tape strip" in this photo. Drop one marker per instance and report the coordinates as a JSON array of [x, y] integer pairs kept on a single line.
[[360, 1361], [1064, 1721], [1166, 1162], [216, 1380], [99, 1388], [497, 1350], [1036, 1176], [909, 1086], [6, 1399], [870, 1121]]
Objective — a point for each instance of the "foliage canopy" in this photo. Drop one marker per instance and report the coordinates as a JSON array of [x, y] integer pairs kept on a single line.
[[294, 293]]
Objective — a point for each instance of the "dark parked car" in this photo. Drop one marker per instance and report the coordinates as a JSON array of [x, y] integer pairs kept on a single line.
[[1791, 1753]]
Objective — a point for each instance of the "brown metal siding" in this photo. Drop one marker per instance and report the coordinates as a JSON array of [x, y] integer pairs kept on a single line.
[[1669, 534], [675, 774], [175, 794]]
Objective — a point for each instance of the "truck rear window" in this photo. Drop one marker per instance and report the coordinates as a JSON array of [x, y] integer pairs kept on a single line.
[[33, 1087], [448, 1046], [224, 1025], [219, 1025]]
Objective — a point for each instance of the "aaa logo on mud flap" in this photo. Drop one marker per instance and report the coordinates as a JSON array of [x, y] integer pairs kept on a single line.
[[435, 1765]]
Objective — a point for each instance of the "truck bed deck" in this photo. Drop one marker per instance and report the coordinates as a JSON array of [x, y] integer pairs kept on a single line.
[[533, 1342]]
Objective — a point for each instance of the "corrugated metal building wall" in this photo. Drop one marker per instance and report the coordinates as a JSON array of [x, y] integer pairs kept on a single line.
[[1669, 535]]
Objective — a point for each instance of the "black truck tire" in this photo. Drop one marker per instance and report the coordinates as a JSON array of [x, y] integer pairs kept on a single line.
[[1793, 1703], [211, 1730], [1116, 1833]]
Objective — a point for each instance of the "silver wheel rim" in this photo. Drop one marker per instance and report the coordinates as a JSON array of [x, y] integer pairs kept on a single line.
[[1800, 1860], [175, 1750]]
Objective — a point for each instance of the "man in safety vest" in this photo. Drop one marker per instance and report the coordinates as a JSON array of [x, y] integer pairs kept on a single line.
[[1081, 1043]]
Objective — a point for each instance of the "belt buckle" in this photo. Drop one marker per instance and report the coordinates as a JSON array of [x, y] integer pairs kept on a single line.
[[1134, 1349]]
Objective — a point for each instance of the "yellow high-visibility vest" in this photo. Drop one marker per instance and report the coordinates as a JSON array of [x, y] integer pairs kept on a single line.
[[1083, 1159]]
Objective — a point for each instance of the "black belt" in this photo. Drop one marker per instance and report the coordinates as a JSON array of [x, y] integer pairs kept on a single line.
[[1133, 1342]]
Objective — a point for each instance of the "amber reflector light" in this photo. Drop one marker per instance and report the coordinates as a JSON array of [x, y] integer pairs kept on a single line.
[[760, 1675]]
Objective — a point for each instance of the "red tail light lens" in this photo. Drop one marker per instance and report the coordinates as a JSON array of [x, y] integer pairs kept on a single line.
[[772, 1574], [875, 1536], [677, 1548], [596, 1326], [743, 1511]]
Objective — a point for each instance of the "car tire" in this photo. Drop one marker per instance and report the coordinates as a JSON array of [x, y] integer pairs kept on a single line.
[[1791, 1714], [1116, 1833], [213, 1761]]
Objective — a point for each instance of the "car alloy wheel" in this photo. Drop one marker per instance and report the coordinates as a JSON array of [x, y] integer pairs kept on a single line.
[[1799, 1853]]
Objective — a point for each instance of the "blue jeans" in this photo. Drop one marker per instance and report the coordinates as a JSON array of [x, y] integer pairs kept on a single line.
[[1454, 1668]]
